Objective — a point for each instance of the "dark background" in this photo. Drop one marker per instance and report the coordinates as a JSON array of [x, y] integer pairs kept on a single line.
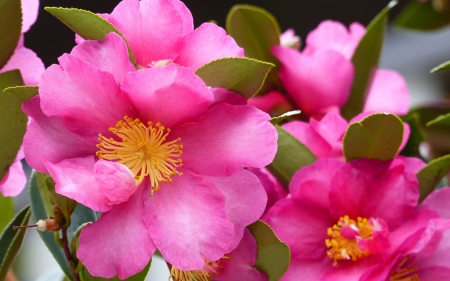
[[49, 38]]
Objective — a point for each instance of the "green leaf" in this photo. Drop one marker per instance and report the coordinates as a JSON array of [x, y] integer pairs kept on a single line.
[[23, 92], [13, 121], [291, 156], [86, 276], [244, 76], [430, 176], [11, 28], [82, 214], [87, 24], [274, 256], [38, 208], [441, 120], [416, 136], [11, 240], [278, 119], [422, 16], [365, 60], [6, 211], [378, 136], [256, 30], [442, 66]]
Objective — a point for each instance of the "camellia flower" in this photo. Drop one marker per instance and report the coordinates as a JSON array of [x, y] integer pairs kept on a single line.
[[15, 179], [341, 219], [319, 79], [236, 266], [155, 150]]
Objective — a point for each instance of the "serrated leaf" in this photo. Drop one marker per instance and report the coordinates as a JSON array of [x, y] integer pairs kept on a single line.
[[365, 60], [442, 66], [87, 24], [291, 156], [278, 119], [256, 30], [244, 76], [273, 255], [430, 176], [86, 276], [11, 240], [11, 28], [422, 16], [13, 121], [441, 120], [378, 136], [6, 211], [416, 136]]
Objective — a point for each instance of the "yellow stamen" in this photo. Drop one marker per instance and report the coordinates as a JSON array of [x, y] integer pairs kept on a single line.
[[404, 274], [203, 274], [342, 248], [144, 150]]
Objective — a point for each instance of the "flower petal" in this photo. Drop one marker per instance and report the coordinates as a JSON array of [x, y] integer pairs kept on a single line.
[[30, 13], [30, 65], [227, 139], [438, 201], [119, 242], [223, 95], [305, 269], [187, 221], [267, 102], [14, 181], [309, 137]]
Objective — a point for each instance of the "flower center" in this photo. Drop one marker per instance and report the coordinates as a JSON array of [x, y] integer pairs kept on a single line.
[[342, 243], [203, 274], [404, 274], [144, 150]]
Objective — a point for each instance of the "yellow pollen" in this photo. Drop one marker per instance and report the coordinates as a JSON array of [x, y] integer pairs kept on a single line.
[[197, 275], [144, 150], [342, 248], [404, 274]]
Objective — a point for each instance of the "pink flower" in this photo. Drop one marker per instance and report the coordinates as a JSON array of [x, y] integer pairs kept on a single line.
[[319, 79], [15, 179], [235, 266], [341, 219], [162, 31], [154, 151], [272, 186]]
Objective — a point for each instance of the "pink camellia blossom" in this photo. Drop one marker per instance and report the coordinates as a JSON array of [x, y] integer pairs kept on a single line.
[[162, 31], [15, 179], [154, 151], [343, 219], [235, 266], [319, 79]]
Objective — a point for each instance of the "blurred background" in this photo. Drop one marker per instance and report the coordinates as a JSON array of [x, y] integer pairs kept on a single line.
[[411, 53]]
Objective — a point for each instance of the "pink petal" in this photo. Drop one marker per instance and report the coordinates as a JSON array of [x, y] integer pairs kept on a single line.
[[31, 67], [99, 54], [114, 180], [92, 101], [240, 264], [171, 95], [14, 181], [332, 127], [438, 201], [154, 29], [351, 270], [245, 200], [227, 139], [48, 137], [75, 179], [302, 226], [267, 102], [119, 242], [305, 269], [223, 95], [319, 83], [311, 184], [30, 12], [388, 93], [188, 222], [206, 43], [309, 137], [333, 35]]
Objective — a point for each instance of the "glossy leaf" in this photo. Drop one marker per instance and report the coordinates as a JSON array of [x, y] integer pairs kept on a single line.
[[274, 256], [378, 136], [87, 24], [365, 60], [11, 240], [244, 76], [11, 28], [278, 119], [442, 66], [256, 30], [430, 176], [6, 211], [13, 121], [291, 156], [86, 276], [416, 136], [441, 120], [422, 16]]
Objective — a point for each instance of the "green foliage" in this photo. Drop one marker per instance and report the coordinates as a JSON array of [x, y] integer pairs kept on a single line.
[[430, 176], [378, 136], [365, 60], [422, 16], [291, 156], [442, 66], [6, 211], [87, 24], [244, 76], [416, 136], [441, 120], [274, 256], [278, 119], [86, 276], [11, 28], [11, 240], [256, 30]]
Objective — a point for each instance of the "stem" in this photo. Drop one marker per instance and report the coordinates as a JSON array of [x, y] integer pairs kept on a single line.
[[68, 255]]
